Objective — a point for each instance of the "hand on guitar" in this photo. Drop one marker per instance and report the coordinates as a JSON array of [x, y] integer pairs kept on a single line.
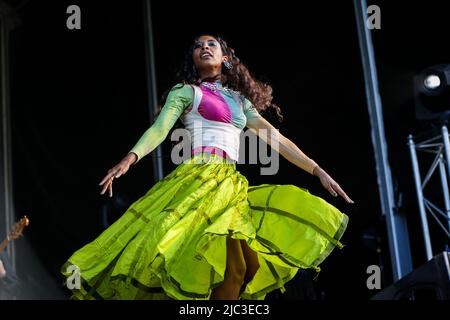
[[2, 270]]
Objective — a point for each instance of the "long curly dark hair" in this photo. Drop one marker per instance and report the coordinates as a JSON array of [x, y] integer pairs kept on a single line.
[[237, 78]]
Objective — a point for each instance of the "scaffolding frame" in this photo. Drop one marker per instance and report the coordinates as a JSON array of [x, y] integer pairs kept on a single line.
[[440, 146]]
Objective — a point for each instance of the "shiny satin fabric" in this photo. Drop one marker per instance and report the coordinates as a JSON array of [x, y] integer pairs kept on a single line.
[[171, 243]]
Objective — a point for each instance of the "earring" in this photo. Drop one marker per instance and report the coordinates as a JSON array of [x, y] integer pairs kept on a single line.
[[228, 65]]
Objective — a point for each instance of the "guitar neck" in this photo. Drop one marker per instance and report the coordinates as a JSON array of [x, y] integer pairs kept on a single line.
[[3, 245]]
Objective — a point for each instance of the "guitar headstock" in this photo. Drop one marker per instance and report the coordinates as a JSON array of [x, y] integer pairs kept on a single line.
[[17, 229]]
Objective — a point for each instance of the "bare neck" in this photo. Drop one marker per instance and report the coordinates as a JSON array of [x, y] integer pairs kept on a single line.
[[210, 74]]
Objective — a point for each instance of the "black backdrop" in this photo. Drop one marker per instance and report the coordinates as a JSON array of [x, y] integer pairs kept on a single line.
[[79, 103]]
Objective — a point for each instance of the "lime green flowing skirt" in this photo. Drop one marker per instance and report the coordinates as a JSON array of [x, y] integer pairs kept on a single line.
[[171, 243]]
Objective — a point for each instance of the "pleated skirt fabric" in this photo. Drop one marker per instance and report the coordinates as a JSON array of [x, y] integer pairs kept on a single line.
[[171, 243]]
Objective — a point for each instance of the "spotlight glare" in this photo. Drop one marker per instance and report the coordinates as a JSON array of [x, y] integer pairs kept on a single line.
[[432, 82]]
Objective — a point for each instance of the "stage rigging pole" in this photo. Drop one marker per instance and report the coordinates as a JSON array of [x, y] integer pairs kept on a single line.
[[396, 222], [152, 93]]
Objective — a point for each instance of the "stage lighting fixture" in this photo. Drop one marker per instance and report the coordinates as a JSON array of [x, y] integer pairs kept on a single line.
[[432, 82], [432, 94]]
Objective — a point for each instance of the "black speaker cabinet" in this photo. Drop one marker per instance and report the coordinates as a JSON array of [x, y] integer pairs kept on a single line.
[[430, 281]]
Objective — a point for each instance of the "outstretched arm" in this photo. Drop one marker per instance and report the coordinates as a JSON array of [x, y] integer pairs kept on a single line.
[[176, 102], [292, 153], [281, 144], [178, 99]]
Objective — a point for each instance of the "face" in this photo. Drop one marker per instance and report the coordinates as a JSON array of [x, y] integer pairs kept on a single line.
[[207, 54]]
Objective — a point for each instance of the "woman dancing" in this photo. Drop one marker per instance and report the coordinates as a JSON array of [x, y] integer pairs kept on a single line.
[[202, 232]]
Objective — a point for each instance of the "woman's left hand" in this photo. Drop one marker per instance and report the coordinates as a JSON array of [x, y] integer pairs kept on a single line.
[[331, 185]]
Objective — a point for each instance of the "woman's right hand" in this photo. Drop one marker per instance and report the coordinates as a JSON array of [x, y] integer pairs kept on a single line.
[[115, 172]]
